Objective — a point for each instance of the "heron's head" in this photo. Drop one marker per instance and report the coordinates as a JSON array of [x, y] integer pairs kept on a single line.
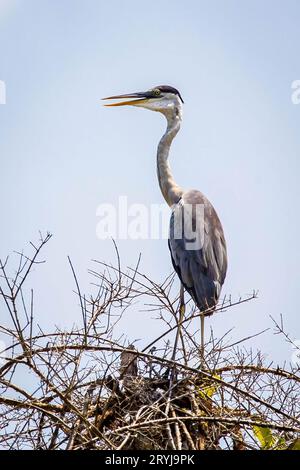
[[164, 99]]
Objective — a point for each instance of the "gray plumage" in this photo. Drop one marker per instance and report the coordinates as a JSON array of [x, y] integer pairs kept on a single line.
[[202, 271]]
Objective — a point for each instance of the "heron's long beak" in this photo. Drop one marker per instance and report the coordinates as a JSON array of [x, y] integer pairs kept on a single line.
[[141, 97]]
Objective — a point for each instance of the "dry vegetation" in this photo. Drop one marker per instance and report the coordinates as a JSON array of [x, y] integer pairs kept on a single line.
[[86, 389]]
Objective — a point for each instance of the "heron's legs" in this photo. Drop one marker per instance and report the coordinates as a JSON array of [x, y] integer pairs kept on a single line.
[[202, 319], [181, 316]]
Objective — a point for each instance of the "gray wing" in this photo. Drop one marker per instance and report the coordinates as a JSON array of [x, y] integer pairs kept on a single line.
[[198, 257]]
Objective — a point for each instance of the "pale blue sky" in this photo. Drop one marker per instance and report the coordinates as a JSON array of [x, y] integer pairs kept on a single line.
[[62, 154]]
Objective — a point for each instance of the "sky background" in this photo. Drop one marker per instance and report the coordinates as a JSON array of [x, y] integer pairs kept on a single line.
[[62, 154]]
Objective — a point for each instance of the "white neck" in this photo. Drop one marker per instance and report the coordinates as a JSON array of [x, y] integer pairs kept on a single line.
[[170, 190]]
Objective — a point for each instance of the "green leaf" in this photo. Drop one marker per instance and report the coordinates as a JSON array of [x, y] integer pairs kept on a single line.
[[209, 390], [264, 436], [295, 445], [280, 444]]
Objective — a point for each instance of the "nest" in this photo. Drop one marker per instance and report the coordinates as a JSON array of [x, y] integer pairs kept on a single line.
[[153, 414]]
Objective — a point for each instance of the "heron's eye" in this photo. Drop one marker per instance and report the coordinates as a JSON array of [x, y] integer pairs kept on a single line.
[[156, 92]]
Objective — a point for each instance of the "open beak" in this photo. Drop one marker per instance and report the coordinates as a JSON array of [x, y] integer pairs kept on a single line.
[[140, 98]]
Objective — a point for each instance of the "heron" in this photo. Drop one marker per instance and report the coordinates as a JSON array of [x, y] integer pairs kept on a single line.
[[196, 238]]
